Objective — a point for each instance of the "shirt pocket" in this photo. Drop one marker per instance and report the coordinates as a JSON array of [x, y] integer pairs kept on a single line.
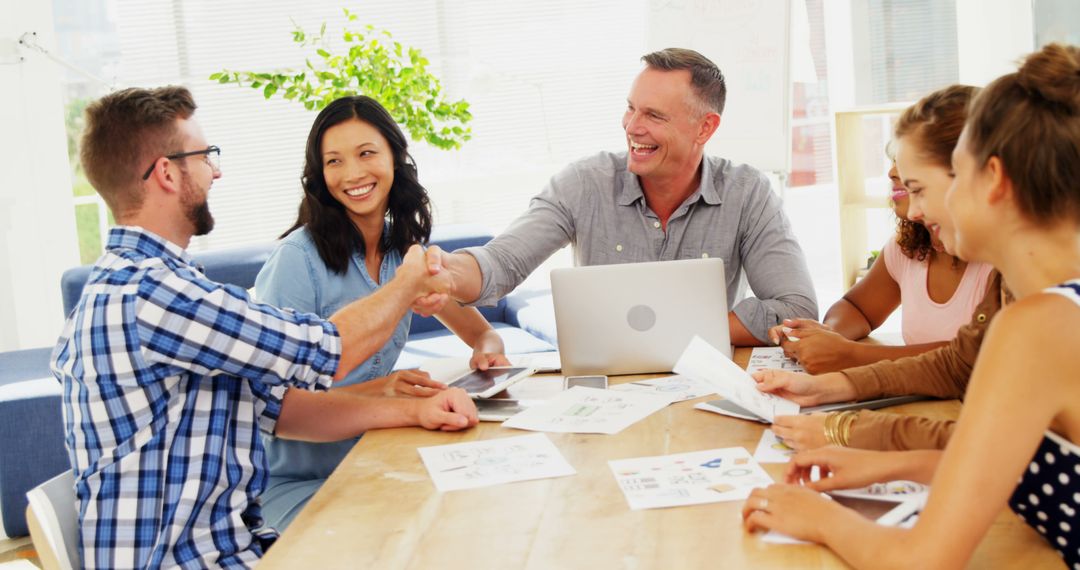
[[610, 251]]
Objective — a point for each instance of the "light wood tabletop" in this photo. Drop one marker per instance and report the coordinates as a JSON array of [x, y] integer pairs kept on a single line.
[[380, 509]]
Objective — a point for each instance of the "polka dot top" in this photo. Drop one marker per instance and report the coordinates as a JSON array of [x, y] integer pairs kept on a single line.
[[1048, 495]]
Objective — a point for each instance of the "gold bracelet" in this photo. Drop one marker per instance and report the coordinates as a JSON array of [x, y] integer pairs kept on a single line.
[[844, 434], [830, 427]]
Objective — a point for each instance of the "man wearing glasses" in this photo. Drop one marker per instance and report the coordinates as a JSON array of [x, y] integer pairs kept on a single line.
[[169, 377]]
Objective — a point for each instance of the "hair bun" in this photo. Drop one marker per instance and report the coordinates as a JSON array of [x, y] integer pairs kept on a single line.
[[1053, 74]]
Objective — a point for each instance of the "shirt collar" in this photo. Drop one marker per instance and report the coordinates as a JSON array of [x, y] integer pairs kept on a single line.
[[630, 191], [146, 243]]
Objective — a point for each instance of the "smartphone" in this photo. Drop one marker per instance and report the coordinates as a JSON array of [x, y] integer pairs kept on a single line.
[[587, 381], [498, 410]]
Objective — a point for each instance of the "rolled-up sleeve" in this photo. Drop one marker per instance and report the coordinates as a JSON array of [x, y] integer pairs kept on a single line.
[[546, 227], [195, 325], [775, 266]]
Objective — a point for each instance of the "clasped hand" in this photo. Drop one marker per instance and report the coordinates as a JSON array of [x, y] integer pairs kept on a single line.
[[432, 281]]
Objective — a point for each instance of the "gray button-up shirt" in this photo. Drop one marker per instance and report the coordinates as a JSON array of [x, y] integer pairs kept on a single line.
[[597, 205]]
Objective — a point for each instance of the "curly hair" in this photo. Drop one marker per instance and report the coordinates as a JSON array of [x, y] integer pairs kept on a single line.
[[409, 209], [913, 239], [935, 121]]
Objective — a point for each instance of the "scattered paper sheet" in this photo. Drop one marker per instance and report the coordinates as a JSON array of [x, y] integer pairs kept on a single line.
[[493, 462], [679, 388], [763, 357], [771, 450], [704, 362], [699, 477], [589, 410], [541, 362]]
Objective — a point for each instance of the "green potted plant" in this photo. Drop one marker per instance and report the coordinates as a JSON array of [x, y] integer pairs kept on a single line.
[[372, 64]]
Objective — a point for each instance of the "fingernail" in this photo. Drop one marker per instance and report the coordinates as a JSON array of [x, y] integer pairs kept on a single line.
[[787, 330]]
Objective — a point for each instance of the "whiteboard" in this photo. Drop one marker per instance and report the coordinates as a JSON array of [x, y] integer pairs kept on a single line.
[[749, 41]]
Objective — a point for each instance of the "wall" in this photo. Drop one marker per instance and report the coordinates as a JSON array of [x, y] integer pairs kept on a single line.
[[991, 36], [37, 223]]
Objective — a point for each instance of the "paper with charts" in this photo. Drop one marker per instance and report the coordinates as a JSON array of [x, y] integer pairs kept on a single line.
[[679, 388], [771, 450], [493, 462], [589, 410], [703, 362], [764, 357], [699, 477]]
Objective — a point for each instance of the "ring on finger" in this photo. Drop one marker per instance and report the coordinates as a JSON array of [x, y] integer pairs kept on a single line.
[[764, 505]]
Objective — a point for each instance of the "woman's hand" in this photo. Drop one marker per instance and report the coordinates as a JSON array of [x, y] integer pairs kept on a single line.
[[795, 511], [804, 389], [403, 383], [789, 330], [843, 468], [801, 432], [488, 351], [820, 349]]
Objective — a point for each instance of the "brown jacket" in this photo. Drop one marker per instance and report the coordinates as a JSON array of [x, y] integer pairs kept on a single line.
[[941, 373]]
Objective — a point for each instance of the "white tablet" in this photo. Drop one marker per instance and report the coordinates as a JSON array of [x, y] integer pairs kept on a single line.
[[487, 383]]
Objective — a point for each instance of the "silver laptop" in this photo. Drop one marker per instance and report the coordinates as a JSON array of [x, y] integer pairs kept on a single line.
[[637, 318]]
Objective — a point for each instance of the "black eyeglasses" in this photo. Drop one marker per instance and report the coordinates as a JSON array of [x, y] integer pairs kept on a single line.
[[211, 154]]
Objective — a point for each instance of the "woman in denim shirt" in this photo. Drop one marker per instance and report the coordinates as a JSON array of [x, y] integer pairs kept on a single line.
[[363, 206]]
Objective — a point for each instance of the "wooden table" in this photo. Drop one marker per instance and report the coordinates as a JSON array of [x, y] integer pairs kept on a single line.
[[380, 509]]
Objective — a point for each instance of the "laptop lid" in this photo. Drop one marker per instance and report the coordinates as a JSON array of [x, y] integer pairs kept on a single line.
[[637, 318]]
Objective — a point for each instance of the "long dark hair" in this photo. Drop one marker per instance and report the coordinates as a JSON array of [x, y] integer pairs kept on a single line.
[[408, 210]]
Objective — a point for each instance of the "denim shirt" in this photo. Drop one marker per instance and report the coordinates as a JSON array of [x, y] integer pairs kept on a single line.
[[295, 277]]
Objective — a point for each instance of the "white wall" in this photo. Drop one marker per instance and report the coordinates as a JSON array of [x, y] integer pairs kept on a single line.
[[37, 220], [991, 36]]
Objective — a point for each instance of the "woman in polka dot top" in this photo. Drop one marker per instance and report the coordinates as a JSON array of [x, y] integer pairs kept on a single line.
[[1014, 203]]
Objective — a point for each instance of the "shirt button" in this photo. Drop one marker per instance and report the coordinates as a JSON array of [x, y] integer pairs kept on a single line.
[[618, 247], [705, 256], [981, 318], [656, 224]]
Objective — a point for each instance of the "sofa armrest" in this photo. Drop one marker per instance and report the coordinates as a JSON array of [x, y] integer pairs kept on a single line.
[[31, 444], [532, 310]]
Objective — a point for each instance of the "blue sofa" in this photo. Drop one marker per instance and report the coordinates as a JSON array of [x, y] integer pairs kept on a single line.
[[31, 425]]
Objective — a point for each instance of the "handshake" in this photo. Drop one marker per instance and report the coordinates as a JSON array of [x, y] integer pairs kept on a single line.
[[424, 272]]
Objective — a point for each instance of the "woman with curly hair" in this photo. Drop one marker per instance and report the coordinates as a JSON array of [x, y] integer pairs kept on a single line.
[[1013, 203], [937, 290]]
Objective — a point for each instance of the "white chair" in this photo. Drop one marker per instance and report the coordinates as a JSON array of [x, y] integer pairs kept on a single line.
[[54, 522]]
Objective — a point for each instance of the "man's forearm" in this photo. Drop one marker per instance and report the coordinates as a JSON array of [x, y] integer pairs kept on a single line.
[[340, 414], [465, 271], [740, 336], [366, 324]]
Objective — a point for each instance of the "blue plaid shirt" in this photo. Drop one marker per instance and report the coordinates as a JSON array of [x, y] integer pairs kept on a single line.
[[168, 379]]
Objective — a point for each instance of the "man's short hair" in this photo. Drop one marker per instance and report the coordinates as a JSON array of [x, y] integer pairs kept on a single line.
[[125, 132], [705, 77]]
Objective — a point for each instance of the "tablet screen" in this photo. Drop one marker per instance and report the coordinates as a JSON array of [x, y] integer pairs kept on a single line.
[[872, 509], [477, 381]]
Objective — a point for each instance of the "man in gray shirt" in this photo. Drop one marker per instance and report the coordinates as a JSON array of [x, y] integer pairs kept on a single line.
[[661, 200]]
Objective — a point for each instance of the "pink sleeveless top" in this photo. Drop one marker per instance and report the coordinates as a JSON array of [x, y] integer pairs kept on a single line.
[[924, 320]]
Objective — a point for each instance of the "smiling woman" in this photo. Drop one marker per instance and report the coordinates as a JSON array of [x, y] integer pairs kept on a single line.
[[363, 207]]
